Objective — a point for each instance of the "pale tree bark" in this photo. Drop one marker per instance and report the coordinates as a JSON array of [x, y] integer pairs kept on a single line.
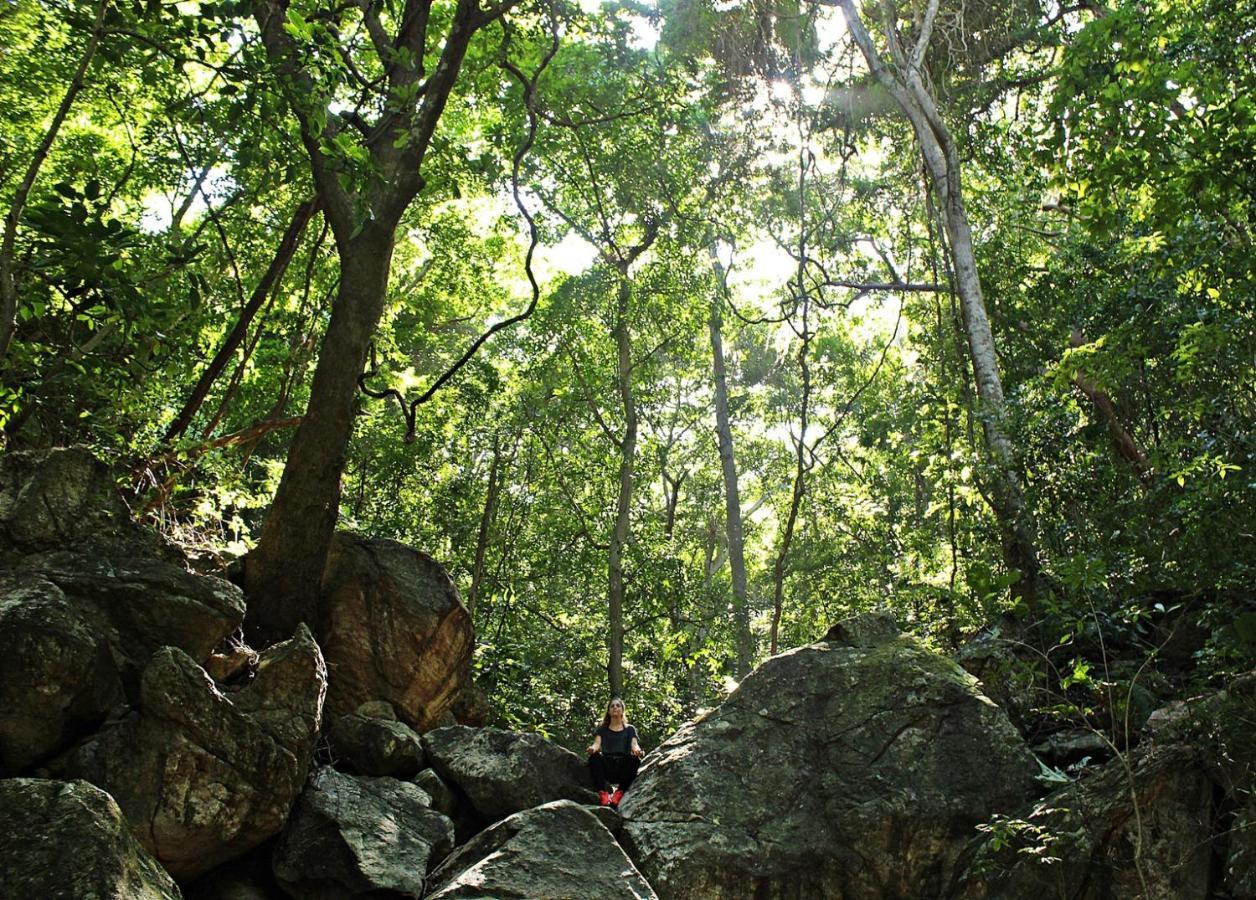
[[8, 277], [728, 466], [488, 515], [623, 503], [905, 82]]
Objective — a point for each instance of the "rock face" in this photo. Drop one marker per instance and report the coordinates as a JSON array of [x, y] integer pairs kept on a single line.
[[57, 678], [370, 746], [1170, 820], [559, 851], [352, 836], [833, 771], [144, 603], [392, 628], [68, 839], [61, 498], [77, 627], [1091, 830], [203, 776], [504, 772]]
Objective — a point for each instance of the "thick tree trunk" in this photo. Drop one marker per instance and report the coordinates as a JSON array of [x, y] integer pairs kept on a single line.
[[284, 572], [623, 507], [728, 465], [270, 278]]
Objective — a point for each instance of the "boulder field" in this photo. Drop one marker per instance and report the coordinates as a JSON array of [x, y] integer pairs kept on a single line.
[[147, 752]]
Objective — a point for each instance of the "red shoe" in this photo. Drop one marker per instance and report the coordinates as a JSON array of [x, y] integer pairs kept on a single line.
[[616, 797], [604, 798]]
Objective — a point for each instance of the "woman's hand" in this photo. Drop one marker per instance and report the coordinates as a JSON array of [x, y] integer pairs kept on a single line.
[[636, 750], [591, 749]]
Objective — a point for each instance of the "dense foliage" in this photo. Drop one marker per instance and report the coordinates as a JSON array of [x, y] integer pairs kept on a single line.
[[688, 157]]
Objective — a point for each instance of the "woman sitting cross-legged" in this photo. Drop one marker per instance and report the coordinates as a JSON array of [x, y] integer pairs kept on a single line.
[[614, 755]]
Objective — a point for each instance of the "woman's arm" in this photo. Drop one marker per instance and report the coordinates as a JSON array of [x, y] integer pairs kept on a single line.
[[636, 748], [596, 746]]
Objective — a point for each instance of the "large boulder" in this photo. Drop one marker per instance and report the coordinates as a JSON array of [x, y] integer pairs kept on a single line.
[[146, 602], [1089, 842], [351, 837], [57, 677], [204, 776], [1170, 819], [61, 498], [559, 851], [69, 840], [849, 768], [76, 630], [369, 745], [503, 772], [392, 628]]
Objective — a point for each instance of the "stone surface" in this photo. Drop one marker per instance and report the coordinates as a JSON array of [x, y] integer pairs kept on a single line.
[[503, 772], [559, 851], [62, 498], [832, 771], [351, 837], [864, 630], [371, 746], [69, 840], [1091, 829], [443, 797], [203, 776], [234, 664], [57, 678], [392, 628], [147, 602], [472, 707]]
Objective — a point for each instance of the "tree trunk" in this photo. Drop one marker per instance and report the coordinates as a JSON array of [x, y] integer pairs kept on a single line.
[[941, 160], [1122, 440], [623, 508], [493, 491], [283, 574], [274, 272], [728, 465], [8, 278]]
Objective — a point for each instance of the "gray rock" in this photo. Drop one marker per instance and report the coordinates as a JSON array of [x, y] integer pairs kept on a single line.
[[1080, 841], [61, 498], [1066, 747], [148, 602], [559, 851], [68, 840], [610, 818], [503, 772], [57, 678], [832, 771], [869, 629], [370, 746], [350, 837], [203, 776], [392, 628], [377, 709], [443, 797]]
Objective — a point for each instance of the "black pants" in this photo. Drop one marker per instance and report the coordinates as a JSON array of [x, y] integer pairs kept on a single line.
[[613, 768]]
